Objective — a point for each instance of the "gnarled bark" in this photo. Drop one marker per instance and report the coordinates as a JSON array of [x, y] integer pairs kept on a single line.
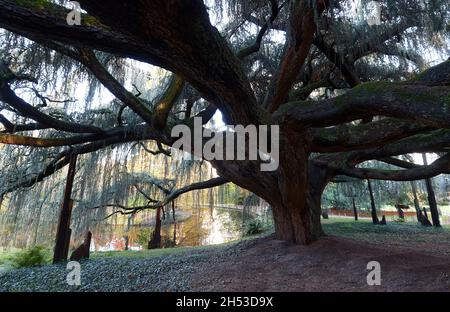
[[296, 203]]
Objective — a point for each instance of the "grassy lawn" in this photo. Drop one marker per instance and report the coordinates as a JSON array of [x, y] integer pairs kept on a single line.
[[445, 209], [148, 253], [394, 234], [5, 257]]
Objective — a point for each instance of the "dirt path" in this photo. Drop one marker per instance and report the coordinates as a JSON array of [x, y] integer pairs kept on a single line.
[[331, 264]]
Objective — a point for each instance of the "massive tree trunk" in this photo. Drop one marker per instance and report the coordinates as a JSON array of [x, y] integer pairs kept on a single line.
[[318, 179], [297, 210], [294, 190], [291, 213], [297, 217]]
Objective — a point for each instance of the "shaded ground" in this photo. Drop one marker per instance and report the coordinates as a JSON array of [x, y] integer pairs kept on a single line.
[[331, 264], [412, 258]]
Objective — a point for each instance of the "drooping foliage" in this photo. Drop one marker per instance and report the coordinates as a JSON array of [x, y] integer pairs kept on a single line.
[[67, 82]]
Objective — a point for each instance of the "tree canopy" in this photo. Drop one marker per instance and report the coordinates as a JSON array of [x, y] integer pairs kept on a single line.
[[343, 92]]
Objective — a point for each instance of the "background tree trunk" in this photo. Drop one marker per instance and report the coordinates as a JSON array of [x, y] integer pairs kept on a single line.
[[431, 197], [355, 212], [174, 224], [61, 248], [372, 204], [416, 201], [155, 241], [127, 238]]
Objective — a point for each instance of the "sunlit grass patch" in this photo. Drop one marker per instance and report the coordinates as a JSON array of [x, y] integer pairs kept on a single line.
[[5, 257], [145, 253]]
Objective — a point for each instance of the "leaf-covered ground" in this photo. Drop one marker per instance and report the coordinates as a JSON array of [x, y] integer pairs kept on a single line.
[[412, 258], [150, 270]]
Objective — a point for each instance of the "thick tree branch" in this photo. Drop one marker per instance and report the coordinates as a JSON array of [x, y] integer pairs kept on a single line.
[[347, 69], [88, 59], [369, 44], [64, 157], [50, 24], [423, 104], [301, 35], [417, 173], [412, 56], [404, 164], [303, 93], [193, 49], [434, 141], [131, 132], [9, 126], [8, 96], [13, 139], [353, 137], [166, 102]]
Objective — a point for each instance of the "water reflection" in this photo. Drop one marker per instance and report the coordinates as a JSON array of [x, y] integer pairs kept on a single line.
[[194, 226]]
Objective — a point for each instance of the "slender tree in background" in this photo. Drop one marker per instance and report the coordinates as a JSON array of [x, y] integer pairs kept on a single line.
[[431, 197], [355, 211], [416, 200], [342, 92], [373, 209], [155, 239], [63, 232]]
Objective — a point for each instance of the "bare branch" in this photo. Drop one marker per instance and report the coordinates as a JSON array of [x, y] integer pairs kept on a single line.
[[8, 96], [257, 44], [170, 197]]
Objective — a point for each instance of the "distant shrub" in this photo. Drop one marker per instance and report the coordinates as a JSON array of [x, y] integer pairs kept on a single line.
[[253, 226], [143, 236], [30, 257]]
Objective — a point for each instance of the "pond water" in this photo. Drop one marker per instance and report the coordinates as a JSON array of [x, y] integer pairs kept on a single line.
[[194, 226]]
